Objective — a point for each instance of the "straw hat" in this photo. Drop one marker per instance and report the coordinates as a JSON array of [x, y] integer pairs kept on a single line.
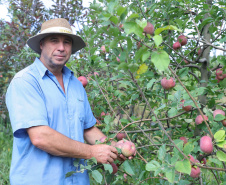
[[55, 26]]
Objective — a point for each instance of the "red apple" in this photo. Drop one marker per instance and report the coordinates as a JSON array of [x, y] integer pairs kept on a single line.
[[184, 139], [103, 49], [115, 168], [125, 176], [138, 45], [218, 111], [83, 80], [206, 144], [224, 123], [182, 40], [120, 143], [186, 62], [96, 74], [186, 108], [176, 45], [199, 119], [167, 84], [219, 74], [121, 136], [128, 148], [117, 58], [192, 159], [195, 172], [203, 161], [103, 139], [149, 29]]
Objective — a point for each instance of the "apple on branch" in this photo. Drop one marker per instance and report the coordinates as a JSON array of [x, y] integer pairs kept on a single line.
[[195, 172], [121, 135], [182, 40], [199, 119], [168, 84], [149, 29], [83, 80], [176, 45], [206, 144]]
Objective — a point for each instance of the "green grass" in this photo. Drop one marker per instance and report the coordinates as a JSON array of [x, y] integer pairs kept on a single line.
[[6, 143]]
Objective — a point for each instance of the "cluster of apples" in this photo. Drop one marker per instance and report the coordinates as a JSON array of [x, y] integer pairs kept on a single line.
[[181, 41], [206, 144], [220, 75], [195, 170], [128, 148], [199, 118]]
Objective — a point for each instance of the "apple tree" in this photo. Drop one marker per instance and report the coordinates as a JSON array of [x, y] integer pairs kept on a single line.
[[160, 75]]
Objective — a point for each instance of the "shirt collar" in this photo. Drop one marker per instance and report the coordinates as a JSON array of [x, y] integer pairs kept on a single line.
[[43, 70]]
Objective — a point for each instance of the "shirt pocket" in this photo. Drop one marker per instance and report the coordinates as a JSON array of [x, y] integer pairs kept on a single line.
[[80, 110]]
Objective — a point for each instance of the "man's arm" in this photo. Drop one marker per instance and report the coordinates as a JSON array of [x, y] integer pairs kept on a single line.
[[55, 143], [92, 134]]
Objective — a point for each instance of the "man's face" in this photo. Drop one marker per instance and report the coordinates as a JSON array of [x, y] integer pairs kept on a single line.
[[56, 50]]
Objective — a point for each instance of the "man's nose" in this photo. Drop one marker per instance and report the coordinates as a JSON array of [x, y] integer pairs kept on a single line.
[[61, 46]]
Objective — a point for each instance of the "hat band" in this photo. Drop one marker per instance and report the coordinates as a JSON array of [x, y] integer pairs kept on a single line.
[[57, 29]]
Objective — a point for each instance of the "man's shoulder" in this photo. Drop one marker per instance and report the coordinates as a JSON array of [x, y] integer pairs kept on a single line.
[[30, 72]]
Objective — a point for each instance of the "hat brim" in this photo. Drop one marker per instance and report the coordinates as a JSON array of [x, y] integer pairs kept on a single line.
[[34, 42]]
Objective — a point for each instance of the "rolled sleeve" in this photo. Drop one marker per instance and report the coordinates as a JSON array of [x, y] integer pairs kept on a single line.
[[90, 120], [26, 106]]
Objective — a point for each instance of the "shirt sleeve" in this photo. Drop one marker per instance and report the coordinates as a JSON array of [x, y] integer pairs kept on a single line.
[[90, 120], [26, 105]]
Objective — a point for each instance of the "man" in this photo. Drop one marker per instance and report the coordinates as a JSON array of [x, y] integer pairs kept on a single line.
[[50, 114]]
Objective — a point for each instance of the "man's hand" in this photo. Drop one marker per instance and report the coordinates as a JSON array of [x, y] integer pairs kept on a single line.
[[104, 153]]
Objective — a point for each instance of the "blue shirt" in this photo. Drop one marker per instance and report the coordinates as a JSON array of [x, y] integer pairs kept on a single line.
[[35, 97]]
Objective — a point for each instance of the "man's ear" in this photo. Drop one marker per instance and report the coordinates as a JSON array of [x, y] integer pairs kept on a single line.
[[41, 44]]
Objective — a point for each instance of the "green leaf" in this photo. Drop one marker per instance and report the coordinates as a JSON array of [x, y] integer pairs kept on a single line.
[[152, 166], [142, 23], [120, 10], [146, 55], [222, 144], [132, 27], [97, 176], [188, 148], [160, 59], [107, 119], [108, 167], [221, 155], [219, 117], [162, 152], [134, 15], [150, 83], [169, 27], [223, 83], [69, 174], [219, 136], [183, 166], [123, 66], [114, 19], [93, 159], [128, 168], [172, 112], [170, 175], [157, 40]]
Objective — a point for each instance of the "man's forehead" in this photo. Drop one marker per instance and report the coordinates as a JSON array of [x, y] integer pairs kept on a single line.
[[59, 36]]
